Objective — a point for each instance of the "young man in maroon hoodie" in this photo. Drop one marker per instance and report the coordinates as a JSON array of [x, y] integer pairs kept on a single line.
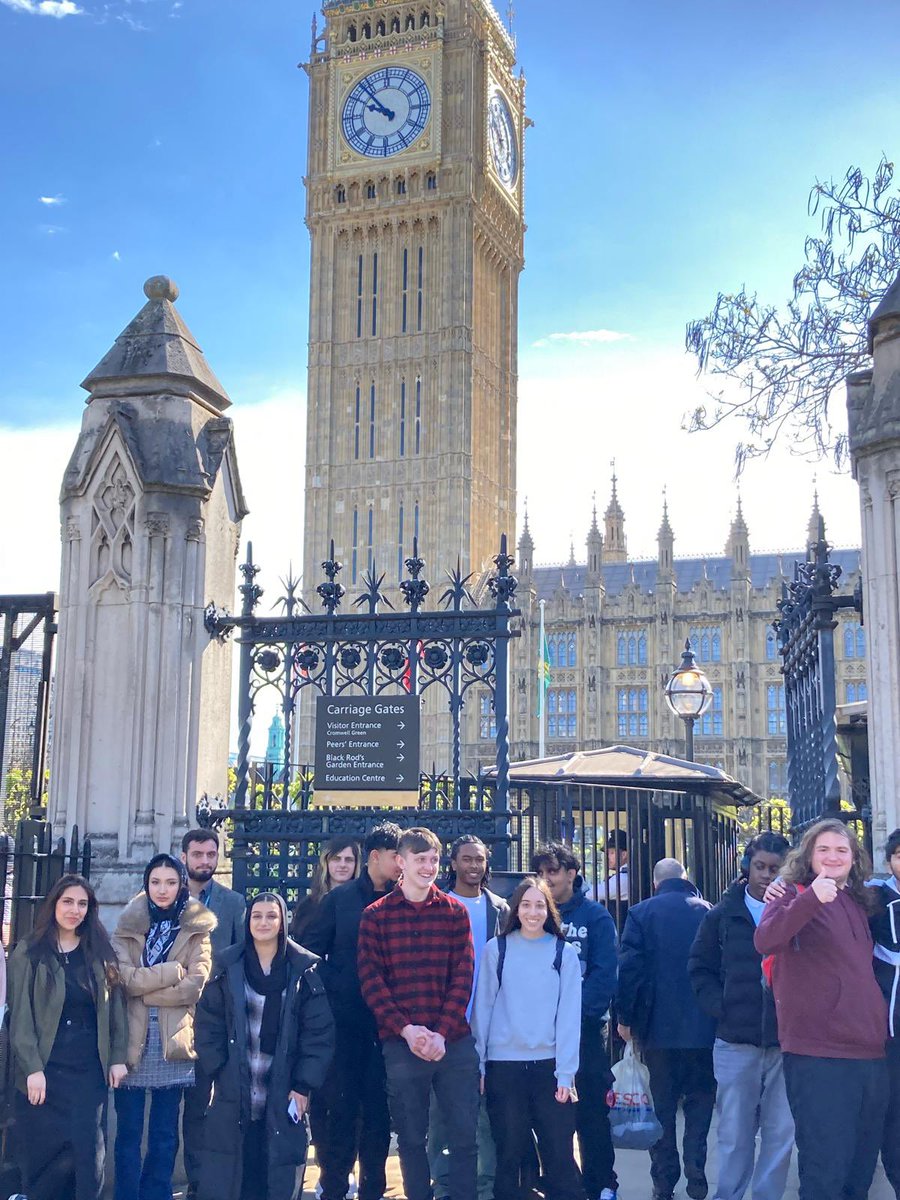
[[832, 1017]]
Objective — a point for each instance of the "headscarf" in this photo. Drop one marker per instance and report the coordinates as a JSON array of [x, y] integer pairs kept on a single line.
[[272, 985], [164, 922]]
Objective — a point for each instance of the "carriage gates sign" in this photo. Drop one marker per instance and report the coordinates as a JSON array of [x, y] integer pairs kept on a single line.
[[367, 744]]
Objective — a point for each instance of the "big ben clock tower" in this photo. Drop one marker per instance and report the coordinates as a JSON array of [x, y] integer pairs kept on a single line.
[[415, 210]]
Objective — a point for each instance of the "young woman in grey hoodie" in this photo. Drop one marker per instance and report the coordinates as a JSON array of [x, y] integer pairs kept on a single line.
[[527, 1022]]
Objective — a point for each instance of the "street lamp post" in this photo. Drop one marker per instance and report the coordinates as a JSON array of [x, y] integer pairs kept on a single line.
[[689, 695]]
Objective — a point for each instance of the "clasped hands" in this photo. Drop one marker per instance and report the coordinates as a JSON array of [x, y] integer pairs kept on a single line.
[[424, 1042]]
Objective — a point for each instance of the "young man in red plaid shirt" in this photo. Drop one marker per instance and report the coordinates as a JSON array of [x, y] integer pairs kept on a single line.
[[416, 964]]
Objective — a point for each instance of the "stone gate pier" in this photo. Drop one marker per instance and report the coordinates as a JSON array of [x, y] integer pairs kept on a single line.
[[151, 507]]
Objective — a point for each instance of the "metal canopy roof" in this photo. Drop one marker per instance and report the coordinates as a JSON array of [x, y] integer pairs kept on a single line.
[[627, 766]]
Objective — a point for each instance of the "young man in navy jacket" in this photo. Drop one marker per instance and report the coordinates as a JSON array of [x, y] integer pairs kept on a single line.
[[591, 930]]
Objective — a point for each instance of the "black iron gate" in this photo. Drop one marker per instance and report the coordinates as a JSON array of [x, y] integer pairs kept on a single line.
[[452, 649], [27, 630], [806, 641]]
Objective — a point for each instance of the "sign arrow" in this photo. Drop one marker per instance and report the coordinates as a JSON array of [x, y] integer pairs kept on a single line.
[[400, 758], [399, 778], [400, 745], [401, 724]]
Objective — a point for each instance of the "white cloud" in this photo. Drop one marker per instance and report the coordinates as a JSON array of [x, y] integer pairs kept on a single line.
[[51, 230], [51, 201], [583, 337], [117, 257], [45, 8]]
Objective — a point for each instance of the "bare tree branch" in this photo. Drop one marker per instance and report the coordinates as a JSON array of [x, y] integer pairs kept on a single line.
[[789, 361]]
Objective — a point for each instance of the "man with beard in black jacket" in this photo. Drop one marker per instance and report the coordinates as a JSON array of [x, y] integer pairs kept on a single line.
[[725, 971], [355, 1093]]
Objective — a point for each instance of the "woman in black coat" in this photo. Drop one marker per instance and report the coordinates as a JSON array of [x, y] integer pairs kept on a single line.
[[264, 1034]]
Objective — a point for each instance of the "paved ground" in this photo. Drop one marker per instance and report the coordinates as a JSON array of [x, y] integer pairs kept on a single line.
[[634, 1178]]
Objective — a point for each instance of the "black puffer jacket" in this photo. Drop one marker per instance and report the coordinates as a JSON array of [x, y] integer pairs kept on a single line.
[[885, 926], [333, 935], [725, 970], [302, 1057]]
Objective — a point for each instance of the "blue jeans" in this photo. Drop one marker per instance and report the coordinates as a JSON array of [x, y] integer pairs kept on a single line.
[[750, 1100], [153, 1180]]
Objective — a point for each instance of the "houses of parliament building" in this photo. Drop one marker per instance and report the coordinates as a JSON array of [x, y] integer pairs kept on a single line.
[[415, 205]]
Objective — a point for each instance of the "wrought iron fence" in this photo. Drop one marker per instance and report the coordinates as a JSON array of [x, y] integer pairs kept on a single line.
[[30, 864], [374, 652], [27, 630], [806, 643]]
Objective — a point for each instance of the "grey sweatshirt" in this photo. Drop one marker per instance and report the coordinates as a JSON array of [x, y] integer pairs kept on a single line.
[[535, 1013]]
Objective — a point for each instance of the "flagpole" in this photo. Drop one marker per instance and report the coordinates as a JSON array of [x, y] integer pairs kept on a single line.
[[541, 687]]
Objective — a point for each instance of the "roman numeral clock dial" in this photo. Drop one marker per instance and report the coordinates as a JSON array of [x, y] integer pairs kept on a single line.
[[502, 140], [386, 112]]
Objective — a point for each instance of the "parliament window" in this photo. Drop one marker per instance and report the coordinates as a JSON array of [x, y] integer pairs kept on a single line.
[[401, 187], [562, 718], [771, 643], [418, 429], [487, 718], [404, 291], [632, 712], [419, 289], [631, 648], [776, 717], [356, 425], [355, 546], [416, 522], [711, 721], [561, 649], [370, 191], [857, 692], [372, 420], [707, 644], [340, 194], [359, 296], [400, 544], [374, 294], [854, 640], [402, 418], [431, 181], [777, 778], [370, 551]]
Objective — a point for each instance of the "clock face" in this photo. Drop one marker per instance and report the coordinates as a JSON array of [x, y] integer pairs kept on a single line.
[[386, 111], [502, 139]]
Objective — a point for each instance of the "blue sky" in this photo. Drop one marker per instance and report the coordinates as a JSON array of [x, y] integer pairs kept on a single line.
[[673, 149]]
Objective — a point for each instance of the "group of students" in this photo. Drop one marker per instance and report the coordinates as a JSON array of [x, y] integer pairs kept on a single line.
[[476, 1029]]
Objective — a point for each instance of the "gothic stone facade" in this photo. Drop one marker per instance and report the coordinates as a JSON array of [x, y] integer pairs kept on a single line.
[[616, 628]]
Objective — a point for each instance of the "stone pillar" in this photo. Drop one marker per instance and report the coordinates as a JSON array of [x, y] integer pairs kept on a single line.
[[151, 506], [873, 409]]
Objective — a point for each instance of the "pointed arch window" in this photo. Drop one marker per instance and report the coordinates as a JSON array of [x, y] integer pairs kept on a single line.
[[854, 640], [402, 418], [404, 290], [359, 296], [356, 423], [374, 294], [370, 547], [400, 542], [420, 289], [771, 643], [372, 420], [418, 425], [354, 556]]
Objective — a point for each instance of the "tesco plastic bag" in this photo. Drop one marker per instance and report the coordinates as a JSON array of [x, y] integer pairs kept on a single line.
[[632, 1118]]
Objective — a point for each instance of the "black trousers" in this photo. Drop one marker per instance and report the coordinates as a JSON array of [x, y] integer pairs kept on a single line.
[[890, 1143], [593, 1081], [351, 1118], [64, 1139], [455, 1080], [838, 1105], [681, 1077], [520, 1099], [196, 1102], [255, 1171]]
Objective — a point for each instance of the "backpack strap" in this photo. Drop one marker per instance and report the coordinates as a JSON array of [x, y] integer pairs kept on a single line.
[[501, 956]]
